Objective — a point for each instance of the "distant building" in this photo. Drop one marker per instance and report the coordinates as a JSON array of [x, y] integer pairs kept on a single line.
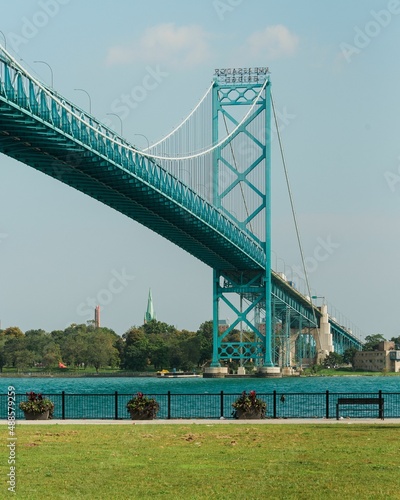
[[385, 358], [223, 325], [150, 314], [97, 317], [261, 328]]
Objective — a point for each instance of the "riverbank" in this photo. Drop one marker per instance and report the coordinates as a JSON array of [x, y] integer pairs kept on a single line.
[[322, 374], [77, 375]]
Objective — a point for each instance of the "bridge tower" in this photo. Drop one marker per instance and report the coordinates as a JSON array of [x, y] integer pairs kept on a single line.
[[242, 190]]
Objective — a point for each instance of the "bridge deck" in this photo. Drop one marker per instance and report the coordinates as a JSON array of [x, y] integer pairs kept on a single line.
[[41, 129]]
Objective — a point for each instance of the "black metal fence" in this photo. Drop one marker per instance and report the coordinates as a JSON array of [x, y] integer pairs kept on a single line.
[[212, 406]]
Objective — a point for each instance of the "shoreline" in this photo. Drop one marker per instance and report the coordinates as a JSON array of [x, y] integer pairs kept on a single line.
[[154, 375], [76, 375]]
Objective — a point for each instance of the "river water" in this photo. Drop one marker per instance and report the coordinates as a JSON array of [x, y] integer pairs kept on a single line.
[[153, 385], [297, 397]]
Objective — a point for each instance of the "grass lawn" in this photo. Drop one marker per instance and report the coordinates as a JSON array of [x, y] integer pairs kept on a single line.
[[190, 461]]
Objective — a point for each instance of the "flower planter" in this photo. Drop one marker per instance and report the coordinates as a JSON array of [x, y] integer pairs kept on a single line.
[[250, 415], [135, 415], [248, 406], [36, 416], [141, 407]]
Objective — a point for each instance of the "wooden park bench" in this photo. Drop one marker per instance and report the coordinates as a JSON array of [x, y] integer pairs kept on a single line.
[[362, 401]]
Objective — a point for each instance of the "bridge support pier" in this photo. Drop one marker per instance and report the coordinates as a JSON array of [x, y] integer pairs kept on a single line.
[[215, 372], [325, 335], [269, 372]]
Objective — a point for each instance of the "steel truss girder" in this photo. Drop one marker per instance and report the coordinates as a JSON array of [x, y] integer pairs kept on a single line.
[[37, 130], [342, 338], [44, 124]]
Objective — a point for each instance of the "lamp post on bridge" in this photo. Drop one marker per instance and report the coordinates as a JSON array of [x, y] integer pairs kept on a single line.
[[148, 142], [51, 71], [90, 100], [119, 118], [319, 297]]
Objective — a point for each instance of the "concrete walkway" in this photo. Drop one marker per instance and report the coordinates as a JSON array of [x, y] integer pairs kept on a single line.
[[278, 421]]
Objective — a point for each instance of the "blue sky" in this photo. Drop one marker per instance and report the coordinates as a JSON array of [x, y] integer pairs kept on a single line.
[[335, 80]]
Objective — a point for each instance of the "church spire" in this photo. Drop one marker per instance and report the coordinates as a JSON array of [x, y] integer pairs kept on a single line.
[[149, 314]]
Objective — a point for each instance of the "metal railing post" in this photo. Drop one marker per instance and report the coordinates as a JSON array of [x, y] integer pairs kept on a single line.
[[116, 404], [274, 407], [381, 403], [327, 404], [63, 405], [169, 406], [222, 404]]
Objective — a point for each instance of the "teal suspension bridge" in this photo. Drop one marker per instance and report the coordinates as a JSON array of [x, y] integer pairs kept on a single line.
[[205, 187]]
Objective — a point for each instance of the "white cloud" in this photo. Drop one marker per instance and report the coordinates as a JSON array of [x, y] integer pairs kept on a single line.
[[164, 43], [273, 42]]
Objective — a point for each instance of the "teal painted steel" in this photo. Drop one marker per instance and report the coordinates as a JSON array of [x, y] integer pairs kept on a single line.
[[343, 338], [268, 361], [240, 175], [53, 140], [44, 130]]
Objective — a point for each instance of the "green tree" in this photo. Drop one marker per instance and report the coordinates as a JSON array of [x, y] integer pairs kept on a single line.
[[159, 352], [349, 354], [13, 331], [57, 336], [36, 340], [24, 359], [3, 357], [74, 343], [205, 336], [332, 360], [184, 350], [137, 350], [12, 349], [396, 341], [101, 351], [372, 342], [158, 327], [51, 355]]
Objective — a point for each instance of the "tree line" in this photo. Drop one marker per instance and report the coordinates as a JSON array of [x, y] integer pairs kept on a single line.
[[153, 345]]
